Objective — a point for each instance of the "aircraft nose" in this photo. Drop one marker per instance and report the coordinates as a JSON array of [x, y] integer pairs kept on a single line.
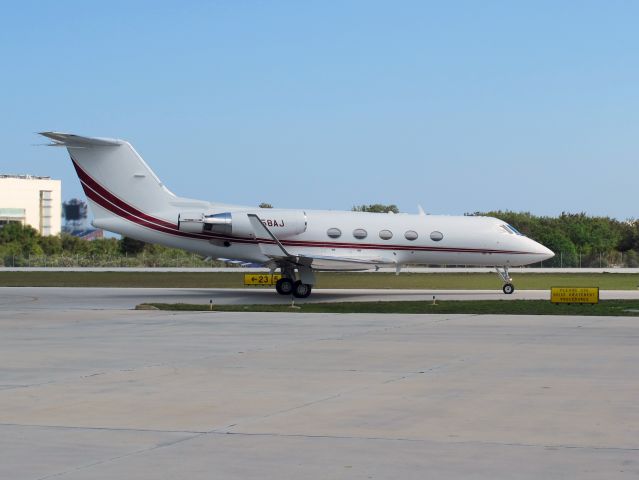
[[545, 252], [539, 252]]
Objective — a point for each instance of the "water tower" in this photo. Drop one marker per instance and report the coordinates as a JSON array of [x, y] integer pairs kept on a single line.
[[75, 214]]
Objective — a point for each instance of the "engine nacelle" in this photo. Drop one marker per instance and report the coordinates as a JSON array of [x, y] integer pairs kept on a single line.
[[283, 223], [191, 222]]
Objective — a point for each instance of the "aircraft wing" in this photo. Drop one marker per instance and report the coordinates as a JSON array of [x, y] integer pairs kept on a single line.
[[278, 253], [336, 264]]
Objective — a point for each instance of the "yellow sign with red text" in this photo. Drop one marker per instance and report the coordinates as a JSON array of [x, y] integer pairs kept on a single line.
[[574, 294]]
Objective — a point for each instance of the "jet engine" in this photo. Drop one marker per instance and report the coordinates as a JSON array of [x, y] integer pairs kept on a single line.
[[283, 223]]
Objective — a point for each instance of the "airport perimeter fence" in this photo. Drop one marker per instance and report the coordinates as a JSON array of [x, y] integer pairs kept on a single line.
[[594, 260], [112, 261]]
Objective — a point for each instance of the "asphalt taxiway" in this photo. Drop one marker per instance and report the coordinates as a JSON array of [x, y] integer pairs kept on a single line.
[[125, 298], [93, 390]]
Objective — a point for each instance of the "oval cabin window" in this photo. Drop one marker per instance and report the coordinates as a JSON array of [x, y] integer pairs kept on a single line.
[[385, 234], [436, 236], [334, 232], [360, 233], [411, 235]]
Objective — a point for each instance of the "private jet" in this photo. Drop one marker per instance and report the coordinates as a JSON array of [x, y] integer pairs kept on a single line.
[[127, 198]]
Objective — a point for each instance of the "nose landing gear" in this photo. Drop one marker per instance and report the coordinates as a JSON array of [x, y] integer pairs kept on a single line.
[[508, 287]]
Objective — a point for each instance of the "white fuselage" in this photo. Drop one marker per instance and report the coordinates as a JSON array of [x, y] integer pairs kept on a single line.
[[465, 240]]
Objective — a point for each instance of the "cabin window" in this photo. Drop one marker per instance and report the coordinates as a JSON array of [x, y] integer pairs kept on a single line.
[[411, 235], [436, 236], [385, 234], [360, 233], [334, 232]]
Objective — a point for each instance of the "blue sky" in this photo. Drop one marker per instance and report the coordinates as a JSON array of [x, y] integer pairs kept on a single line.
[[459, 106]]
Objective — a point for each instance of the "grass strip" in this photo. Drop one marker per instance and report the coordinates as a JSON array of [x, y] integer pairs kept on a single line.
[[625, 308]]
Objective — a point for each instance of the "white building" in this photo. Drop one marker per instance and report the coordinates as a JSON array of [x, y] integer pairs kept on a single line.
[[30, 200]]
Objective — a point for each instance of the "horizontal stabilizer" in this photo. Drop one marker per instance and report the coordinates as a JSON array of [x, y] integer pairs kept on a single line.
[[71, 140]]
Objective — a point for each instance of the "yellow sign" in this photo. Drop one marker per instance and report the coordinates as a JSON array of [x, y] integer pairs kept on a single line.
[[261, 279], [574, 294]]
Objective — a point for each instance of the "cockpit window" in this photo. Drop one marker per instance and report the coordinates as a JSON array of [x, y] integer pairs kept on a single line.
[[517, 232], [510, 229]]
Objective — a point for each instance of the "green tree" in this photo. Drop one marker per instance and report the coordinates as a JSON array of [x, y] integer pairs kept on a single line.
[[23, 237], [631, 259], [629, 232], [51, 244], [376, 208], [561, 245], [73, 245], [131, 246], [265, 205], [103, 247]]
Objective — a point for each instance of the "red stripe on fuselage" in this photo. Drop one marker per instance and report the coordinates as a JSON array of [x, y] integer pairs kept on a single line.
[[84, 176], [115, 209], [115, 205]]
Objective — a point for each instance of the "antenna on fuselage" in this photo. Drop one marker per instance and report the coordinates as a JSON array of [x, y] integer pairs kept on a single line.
[[420, 210]]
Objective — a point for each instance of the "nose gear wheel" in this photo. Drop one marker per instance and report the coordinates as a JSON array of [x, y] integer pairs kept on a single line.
[[508, 287]]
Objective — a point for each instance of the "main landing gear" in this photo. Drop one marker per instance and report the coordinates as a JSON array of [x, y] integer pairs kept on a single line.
[[290, 285], [301, 290], [286, 286], [508, 287]]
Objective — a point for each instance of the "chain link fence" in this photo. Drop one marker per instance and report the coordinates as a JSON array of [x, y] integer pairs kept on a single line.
[[613, 259], [629, 259], [112, 261]]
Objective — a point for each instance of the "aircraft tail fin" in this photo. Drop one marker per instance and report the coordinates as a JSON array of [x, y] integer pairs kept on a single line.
[[114, 176]]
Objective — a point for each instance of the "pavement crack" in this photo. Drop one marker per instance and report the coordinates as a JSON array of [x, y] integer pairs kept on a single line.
[[108, 429], [298, 407], [120, 457], [423, 440]]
